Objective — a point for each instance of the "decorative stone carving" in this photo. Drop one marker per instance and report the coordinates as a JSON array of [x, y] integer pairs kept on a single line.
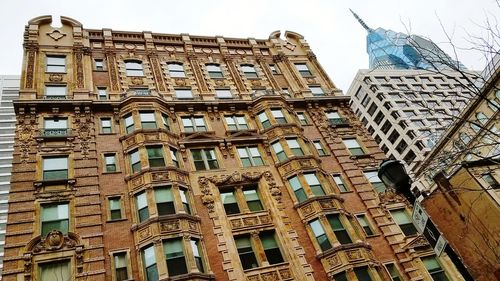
[[137, 81], [56, 34], [30, 67], [27, 127], [354, 255], [170, 225], [138, 181], [113, 74], [389, 196], [333, 261], [160, 176], [79, 68], [207, 198], [55, 77], [417, 242], [285, 273], [84, 124], [270, 276], [273, 188], [145, 233]]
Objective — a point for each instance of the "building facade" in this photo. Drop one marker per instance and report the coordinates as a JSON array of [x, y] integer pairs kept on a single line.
[[407, 111], [460, 179], [9, 91], [152, 156]]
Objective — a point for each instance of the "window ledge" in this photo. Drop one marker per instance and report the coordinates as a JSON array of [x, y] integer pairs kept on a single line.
[[42, 183], [349, 246], [317, 198], [362, 156], [117, 220], [106, 134], [115, 172]]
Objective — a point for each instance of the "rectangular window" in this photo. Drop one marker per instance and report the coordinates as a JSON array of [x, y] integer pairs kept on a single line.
[[135, 160], [354, 147], [155, 156], [236, 122], [339, 230], [252, 199], [129, 123], [365, 224], [55, 217], [334, 118], [55, 91], [176, 70], [264, 120], [303, 69], [164, 119], [230, 203], [194, 124], [142, 206], [314, 184], [274, 69], [490, 180], [319, 233], [115, 208], [149, 259], [53, 127], [302, 118], [106, 127], [278, 150], [55, 167], [61, 269], [99, 64], [246, 253], [278, 116], [250, 156], [164, 200], [434, 268], [134, 68], [372, 177], [393, 271], [183, 94], [196, 248], [214, 71], [185, 201], [121, 270], [300, 194], [404, 221], [339, 181], [174, 255], [173, 156], [319, 147], [249, 71], [110, 162], [362, 273], [148, 120], [316, 90], [56, 64], [294, 146], [204, 159], [271, 248], [223, 94], [102, 93]]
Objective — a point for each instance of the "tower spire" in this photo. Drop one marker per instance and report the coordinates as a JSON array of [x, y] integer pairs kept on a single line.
[[363, 24]]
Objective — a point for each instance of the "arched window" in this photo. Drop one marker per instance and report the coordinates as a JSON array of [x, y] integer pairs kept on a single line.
[[176, 69], [134, 68], [465, 138], [249, 71], [214, 71], [482, 118]]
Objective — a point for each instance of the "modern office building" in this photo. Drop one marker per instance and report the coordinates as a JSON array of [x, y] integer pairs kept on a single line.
[[388, 49], [147, 156], [407, 111], [460, 179], [9, 91]]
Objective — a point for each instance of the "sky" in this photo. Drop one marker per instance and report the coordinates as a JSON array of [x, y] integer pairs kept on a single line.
[[336, 38]]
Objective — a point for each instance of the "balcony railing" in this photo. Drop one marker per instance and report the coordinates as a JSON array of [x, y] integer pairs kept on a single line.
[[63, 132], [57, 97], [338, 122]]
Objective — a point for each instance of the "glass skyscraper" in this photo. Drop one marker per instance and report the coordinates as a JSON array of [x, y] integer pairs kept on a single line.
[[395, 50]]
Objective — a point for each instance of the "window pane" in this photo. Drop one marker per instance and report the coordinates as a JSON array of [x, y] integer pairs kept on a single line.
[[60, 270], [163, 194], [311, 179]]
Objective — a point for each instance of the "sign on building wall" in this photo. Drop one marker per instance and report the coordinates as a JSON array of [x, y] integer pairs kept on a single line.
[[425, 226], [420, 217]]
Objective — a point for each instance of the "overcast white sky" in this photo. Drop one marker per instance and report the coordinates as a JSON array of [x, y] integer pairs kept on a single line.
[[334, 35]]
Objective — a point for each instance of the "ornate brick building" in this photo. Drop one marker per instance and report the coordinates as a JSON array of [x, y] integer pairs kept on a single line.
[[144, 156]]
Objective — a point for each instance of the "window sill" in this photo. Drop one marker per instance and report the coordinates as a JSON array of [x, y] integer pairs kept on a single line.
[[117, 220], [115, 172], [343, 247], [42, 183], [55, 72], [100, 70], [362, 156], [106, 134]]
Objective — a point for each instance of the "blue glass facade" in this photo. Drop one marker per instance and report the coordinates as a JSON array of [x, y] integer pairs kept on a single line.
[[394, 50]]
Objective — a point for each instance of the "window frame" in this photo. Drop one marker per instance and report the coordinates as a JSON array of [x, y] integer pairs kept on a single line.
[[340, 182], [98, 67], [365, 224], [303, 69], [321, 149], [145, 123], [205, 160], [249, 155], [249, 71], [357, 150], [214, 74], [224, 92], [103, 128], [140, 207], [183, 93], [176, 73], [43, 206], [133, 165], [193, 122], [55, 65], [113, 255], [235, 122], [377, 185], [44, 170], [407, 228], [111, 208], [134, 70], [56, 94], [105, 157], [156, 158], [100, 91]]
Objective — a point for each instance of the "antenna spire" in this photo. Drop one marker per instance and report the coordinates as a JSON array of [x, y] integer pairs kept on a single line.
[[363, 24]]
